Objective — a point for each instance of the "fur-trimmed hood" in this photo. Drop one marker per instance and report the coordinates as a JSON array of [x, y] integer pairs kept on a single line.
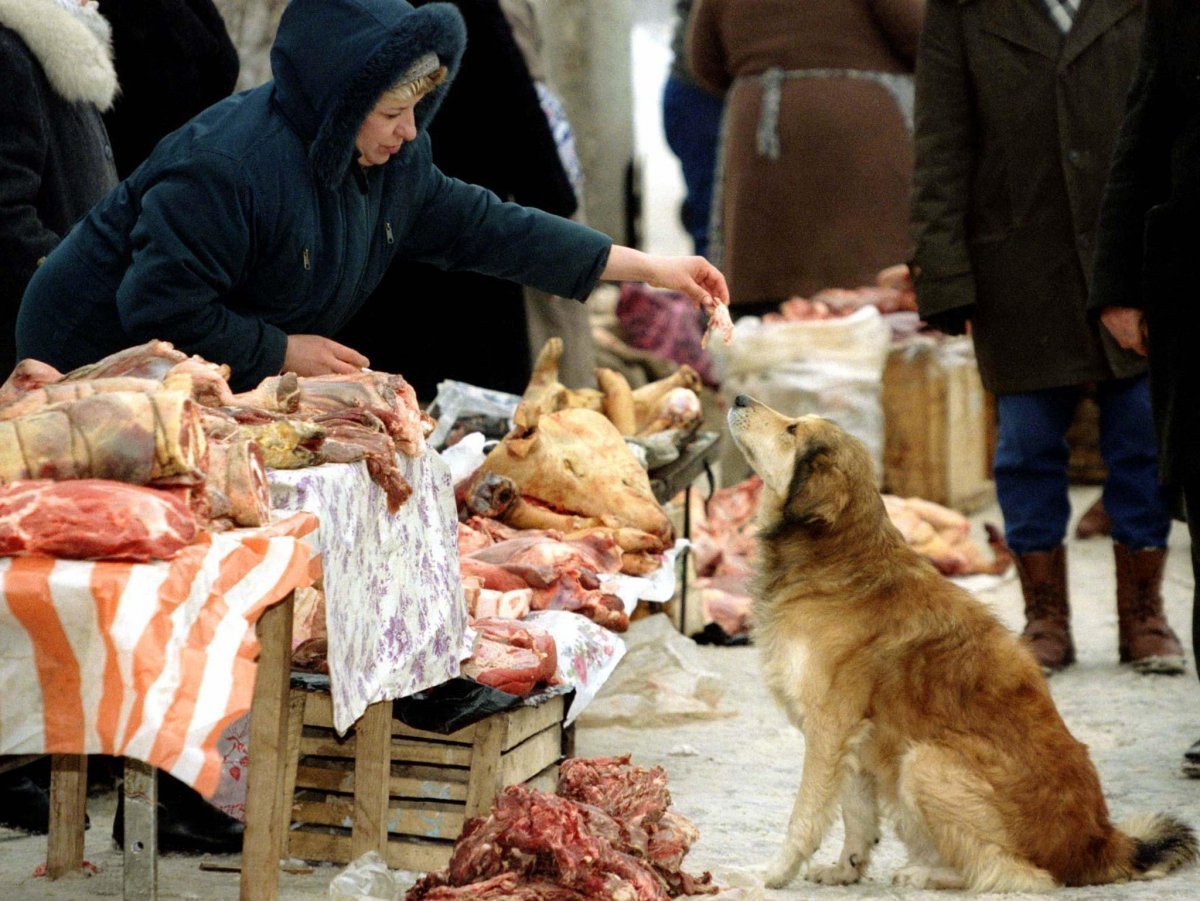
[[333, 59], [77, 59]]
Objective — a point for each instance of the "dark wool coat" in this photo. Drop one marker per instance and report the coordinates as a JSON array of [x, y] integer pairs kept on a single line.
[[1150, 228], [1015, 129], [174, 58], [832, 209], [55, 160], [254, 222], [490, 131]]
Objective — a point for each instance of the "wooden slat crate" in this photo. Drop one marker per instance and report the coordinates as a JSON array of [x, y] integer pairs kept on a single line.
[[936, 443], [434, 783]]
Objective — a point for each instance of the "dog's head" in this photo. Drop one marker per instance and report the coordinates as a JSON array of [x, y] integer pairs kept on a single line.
[[812, 469]]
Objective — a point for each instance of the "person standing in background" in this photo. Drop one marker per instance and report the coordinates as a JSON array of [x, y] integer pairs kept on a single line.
[[1143, 286], [56, 79], [174, 59], [1018, 107], [816, 152], [692, 126]]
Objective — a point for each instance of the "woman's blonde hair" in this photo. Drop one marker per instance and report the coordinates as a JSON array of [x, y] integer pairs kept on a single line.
[[407, 90]]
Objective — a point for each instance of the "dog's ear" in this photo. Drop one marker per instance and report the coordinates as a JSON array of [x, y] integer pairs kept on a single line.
[[819, 490]]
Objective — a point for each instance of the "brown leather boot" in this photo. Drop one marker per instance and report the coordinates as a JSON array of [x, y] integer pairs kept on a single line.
[[1047, 614], [1145, 640]]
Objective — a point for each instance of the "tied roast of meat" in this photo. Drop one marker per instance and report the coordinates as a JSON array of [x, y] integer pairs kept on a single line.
[[93, 519], [511, 656], [606, 834], [129, 437]]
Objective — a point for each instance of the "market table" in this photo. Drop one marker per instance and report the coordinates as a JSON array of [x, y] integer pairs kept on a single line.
[[146, 661]]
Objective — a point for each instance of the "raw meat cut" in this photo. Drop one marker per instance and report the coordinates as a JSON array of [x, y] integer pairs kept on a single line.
[[511, 656], [628, 845], [151, 360], [130, 437], [238, 492], [28, 375], [92, 519]]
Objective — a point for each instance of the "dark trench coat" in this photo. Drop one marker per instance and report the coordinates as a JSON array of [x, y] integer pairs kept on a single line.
[[1150, 228], [1015, 126]]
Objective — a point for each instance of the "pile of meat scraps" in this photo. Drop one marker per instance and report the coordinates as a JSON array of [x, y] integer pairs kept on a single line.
[[606, 833]]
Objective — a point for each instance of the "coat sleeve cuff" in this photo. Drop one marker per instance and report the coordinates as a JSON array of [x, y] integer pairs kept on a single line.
[[937, 294]]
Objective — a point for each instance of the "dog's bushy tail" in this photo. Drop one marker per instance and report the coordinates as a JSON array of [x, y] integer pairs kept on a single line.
[[1161, 844]]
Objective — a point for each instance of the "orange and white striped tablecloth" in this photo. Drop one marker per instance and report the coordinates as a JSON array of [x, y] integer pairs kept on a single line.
[[149, 660]]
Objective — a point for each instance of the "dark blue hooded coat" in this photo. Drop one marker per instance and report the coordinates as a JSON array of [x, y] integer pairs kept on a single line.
[[254, 221]]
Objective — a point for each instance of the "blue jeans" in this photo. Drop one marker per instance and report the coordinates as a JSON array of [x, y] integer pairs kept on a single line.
[[1031, 466], [692, 124]]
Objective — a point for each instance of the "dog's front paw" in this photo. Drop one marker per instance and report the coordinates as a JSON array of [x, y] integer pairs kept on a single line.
[[919, 876], [840, 873], [781, 870]]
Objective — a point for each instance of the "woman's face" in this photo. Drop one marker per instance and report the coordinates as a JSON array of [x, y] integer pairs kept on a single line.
[[385, 130]]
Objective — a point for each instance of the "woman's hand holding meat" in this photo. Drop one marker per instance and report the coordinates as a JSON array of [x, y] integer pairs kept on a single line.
[[316, 355], [694, 276]]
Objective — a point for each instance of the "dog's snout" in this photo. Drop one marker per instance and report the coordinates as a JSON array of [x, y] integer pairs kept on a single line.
[[742, 400]]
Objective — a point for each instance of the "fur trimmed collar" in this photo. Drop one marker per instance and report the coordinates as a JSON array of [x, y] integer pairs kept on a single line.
[[78, 63]]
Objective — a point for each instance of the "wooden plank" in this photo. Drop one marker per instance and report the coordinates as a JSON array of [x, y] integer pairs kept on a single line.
[[372, 770], [325, 778], [327, 745], [484, 780], [68, 807], [525, 721], [140, 790], [427, 819], [529, 759], [436, 783], [291, 760], [264, 841], [410, 751], [464, 736], [414, 856]]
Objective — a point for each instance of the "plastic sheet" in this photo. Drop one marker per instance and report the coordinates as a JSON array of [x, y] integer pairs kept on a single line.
[[366, 879], [459, 400]]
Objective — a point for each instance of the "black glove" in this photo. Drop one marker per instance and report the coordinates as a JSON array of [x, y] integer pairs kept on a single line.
[[950, 322]]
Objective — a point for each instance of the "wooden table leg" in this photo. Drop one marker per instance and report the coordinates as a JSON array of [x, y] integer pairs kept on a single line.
[[141, 830], [68, 807], [372, 777], [263, 842]]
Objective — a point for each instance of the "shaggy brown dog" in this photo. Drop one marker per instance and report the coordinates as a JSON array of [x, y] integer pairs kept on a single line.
[[913, 698]]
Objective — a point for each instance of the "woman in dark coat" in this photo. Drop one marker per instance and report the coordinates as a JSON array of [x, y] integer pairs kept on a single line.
[[174, 59], [493, 95], [56, 78], [1018, 107], [1144, 286], [257, 230]]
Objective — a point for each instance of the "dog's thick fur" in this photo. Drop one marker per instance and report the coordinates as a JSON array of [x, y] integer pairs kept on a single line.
[[913, 699]]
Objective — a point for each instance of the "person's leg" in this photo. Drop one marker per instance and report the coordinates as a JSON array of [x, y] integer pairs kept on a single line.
[[1141, 522], [692, 125], [1030, 470]]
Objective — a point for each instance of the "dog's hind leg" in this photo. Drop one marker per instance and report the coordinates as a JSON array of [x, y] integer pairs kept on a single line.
[[948, 810], [860, 816], [828, 747]]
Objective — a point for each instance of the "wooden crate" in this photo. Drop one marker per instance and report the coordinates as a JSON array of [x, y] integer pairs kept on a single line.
[[936, 443], [434, 783]]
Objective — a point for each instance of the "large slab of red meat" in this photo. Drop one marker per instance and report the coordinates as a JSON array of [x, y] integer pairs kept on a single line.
[[92, 519]]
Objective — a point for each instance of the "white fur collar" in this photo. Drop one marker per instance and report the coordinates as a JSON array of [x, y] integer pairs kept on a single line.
[[77, 62]]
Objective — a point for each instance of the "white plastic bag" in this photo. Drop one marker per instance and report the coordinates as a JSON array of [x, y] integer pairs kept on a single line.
[[831, 367], [366, 879]]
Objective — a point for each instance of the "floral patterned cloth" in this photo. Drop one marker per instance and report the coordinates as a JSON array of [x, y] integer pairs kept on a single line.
[[393, 595]]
